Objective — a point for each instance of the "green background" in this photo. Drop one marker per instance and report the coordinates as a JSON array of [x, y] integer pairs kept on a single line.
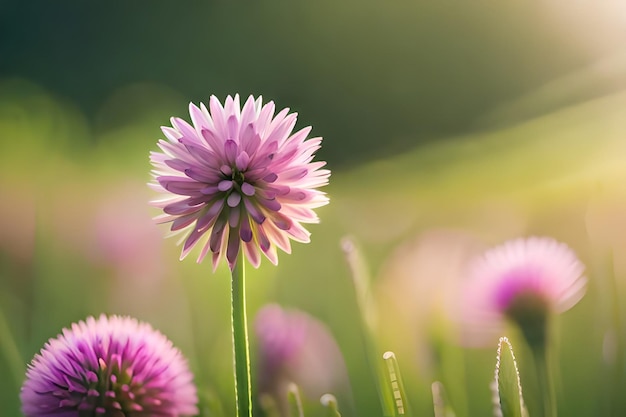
[[486, 119]]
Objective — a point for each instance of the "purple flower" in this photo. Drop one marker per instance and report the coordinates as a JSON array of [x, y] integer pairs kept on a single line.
[[238, 178], [524, 281], [111, 366], [293, 347]]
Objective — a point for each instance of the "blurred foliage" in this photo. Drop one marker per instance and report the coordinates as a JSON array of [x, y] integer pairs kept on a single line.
[[490, 120], [374, 78]]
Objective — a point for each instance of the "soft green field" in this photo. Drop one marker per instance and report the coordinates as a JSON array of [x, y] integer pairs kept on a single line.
[[77, 240]]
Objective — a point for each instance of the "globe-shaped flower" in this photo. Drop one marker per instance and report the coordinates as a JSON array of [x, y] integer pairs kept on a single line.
[[525, 281], [294, 347], [111, 366], [238, 178]]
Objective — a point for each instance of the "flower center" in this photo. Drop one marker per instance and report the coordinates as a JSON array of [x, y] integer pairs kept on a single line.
[[238, 176], [111, 389]]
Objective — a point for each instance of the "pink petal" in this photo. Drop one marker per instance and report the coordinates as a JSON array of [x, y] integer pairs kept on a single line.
[[205, 222], [231, 106], [180, 208], [251, 252], [248, 112], [233, 216], [226, 170], [250, 140], [247, 189], [254, 211], [232, 250], [245, 231], [198, 118], [280, 220], [300, 136], [265, 116], [185, 128], [270, 204], [282, 131], [172, 134], [217, 114], [215, 208], [216, 235], [276, 190], [210, 190], [213, 142], [230, 150], [270, 177], [242, 161], [204, 251], [176, 164], [275, 123], [278, 237], [294, 174], [264, 242], [190, 242], [183, 188], [272, 255], [299, 233], [233, 128], [225, 185], [205, 157], [233, 199], [202, 176], [295, 196], [283, 158]]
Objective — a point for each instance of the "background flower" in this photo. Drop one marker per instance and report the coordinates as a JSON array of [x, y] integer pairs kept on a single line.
[[238, 177], [294, 347], [109, 366], [523, 280]]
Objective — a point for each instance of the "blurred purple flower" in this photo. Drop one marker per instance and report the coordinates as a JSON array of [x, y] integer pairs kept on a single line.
[[524, 280], [238, 178], [293, 347], [111, 366]]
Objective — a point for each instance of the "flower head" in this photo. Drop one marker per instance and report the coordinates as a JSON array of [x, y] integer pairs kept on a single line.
[[110, 366], [524, 280], [238, 178], [296, 348]]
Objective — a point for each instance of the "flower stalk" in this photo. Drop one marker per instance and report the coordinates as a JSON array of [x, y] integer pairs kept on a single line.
[[241, 350], [330, 402], [369, 323], [295, 402], [396, 385], [547, 397]]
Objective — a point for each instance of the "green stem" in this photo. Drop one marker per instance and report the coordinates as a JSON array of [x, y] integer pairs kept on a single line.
[[451, 369], [240, 340], [369, 323], [330, 402], [395, 383], [295, 402], [546, 385]]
